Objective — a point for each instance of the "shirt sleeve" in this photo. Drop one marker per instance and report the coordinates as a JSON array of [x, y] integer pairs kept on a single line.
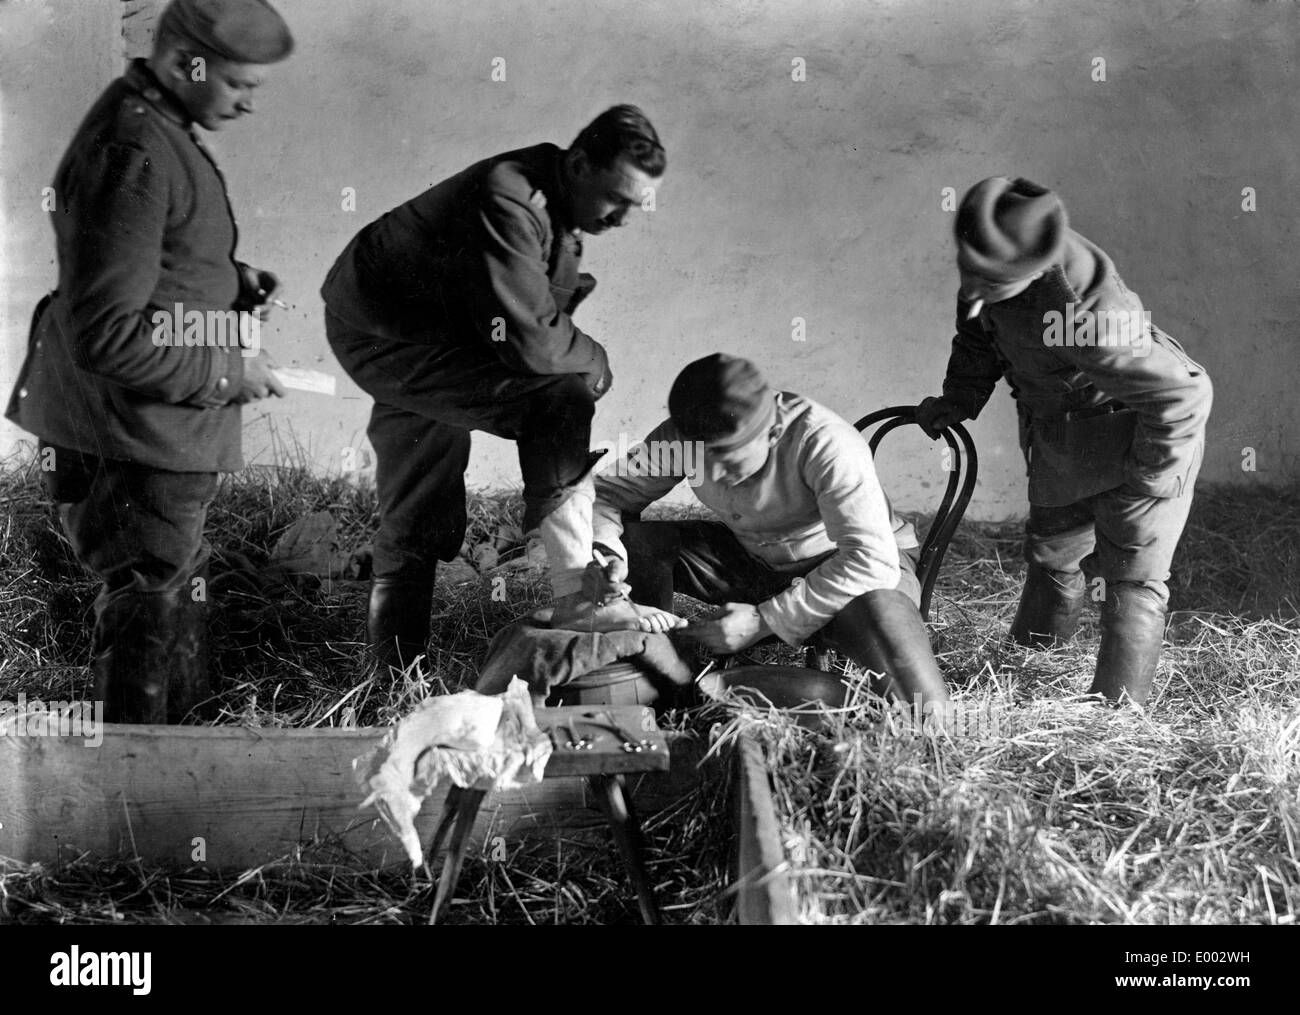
[[648, 472], [836, 464], [113, 269], [973, 365], [538, 337]]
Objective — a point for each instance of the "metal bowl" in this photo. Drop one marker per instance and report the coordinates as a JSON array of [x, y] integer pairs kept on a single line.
[[793, 690]]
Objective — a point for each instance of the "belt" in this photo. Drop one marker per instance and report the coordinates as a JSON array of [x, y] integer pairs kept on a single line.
[[1074, 414]]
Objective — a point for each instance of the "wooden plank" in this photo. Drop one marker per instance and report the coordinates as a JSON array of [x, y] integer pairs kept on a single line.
[[764, 893], [248, 797]]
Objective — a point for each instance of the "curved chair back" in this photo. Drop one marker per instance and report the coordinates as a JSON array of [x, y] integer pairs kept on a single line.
[[961, 484]]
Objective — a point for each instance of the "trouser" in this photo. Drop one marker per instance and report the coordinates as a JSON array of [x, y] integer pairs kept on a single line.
[[427, 401], [704, 559], [1119, 535], [140, 530]]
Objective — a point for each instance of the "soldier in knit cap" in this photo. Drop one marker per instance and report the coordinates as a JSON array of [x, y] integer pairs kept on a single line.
[[139, 362], [804, 541], [1112, 422]]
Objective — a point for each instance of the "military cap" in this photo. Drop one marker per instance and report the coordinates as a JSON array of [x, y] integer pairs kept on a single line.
[[243, 31], [722, 400]]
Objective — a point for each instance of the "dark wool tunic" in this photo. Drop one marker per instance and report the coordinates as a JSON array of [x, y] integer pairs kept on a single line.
[[142, 223], [485, 263]]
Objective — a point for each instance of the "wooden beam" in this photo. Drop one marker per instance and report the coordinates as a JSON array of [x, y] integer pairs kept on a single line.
[[764, 892], [244, 797]]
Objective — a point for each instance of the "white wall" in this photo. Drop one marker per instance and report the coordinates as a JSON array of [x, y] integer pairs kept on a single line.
[[817, 199]]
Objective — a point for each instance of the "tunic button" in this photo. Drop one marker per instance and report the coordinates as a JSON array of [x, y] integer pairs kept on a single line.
[[139, 109], [223, 384], [22, 393], [735, 517]]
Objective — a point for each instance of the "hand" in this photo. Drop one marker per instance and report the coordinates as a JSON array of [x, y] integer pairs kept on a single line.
[[735, 627], [259, 381], [937, 414], [256, 290], [600, 377]]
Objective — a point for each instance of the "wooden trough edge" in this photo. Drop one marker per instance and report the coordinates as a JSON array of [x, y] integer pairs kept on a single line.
[[235, 798], [764, 892]]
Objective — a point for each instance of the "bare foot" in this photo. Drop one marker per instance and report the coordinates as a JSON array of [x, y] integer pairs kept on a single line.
[[577, 613]]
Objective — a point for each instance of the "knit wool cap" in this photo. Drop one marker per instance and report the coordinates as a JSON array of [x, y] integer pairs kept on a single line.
[[1008, 230], [242, 31], [721, 400]]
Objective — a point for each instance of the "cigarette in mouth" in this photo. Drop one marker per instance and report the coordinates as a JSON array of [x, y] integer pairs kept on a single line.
[[974, 310], [279, 303]]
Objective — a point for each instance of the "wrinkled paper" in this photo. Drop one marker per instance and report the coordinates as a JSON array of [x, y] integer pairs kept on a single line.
[[477, 741]]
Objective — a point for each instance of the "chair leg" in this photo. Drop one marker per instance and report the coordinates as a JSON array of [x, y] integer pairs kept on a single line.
[[627, 837], [463, 805]]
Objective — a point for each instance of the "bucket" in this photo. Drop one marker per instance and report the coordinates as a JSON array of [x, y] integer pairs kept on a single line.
[[621, 683]]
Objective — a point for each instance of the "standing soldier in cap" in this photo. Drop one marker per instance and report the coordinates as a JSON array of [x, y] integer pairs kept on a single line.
[[454, 311], [139, 361], [804, 541], [1112, 422]]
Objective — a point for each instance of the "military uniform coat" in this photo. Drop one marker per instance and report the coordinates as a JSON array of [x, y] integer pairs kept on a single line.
[[142, 223], [1105, 398], [484, 263]]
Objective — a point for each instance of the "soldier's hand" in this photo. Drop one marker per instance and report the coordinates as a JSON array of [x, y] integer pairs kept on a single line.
[[259, 380], [733, 627], [937, 414], [601, 378], [256, 290]]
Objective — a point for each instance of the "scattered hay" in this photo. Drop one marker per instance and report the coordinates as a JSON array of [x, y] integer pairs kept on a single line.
[[1045, 810]]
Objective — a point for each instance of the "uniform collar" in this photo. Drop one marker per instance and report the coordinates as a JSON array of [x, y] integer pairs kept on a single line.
[[141, 80]]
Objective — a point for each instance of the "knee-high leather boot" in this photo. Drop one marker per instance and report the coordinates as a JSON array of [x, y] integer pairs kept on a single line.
[[1050, 604], [189, 693], [397, 622], [1132, 628], [885, 633], [132, 655]]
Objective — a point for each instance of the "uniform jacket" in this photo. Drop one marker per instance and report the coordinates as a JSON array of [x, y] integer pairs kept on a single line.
[[486, 261], [1105, 397], [817, 494], [141, 224]]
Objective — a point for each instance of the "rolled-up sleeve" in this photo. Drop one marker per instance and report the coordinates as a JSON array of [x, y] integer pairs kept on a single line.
[[649, 471], [837, 467], [113, 270], [533, 334]]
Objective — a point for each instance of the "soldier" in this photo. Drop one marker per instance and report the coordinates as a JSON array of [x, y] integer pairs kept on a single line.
[[1112, 422], [136, 370], [454, 311], [804, 542]]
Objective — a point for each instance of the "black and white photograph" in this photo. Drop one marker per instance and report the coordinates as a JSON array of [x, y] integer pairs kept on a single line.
[[697, 462]]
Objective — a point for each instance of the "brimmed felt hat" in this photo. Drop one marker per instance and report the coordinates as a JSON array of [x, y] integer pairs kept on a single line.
[[1008, 230]]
